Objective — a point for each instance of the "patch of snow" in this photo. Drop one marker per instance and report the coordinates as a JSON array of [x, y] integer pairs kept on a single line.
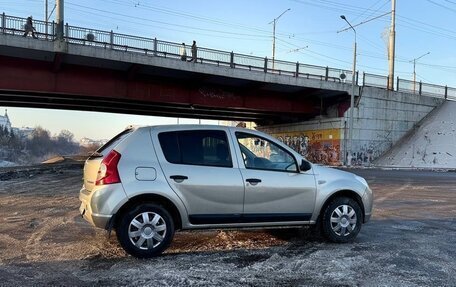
[[4, 163]]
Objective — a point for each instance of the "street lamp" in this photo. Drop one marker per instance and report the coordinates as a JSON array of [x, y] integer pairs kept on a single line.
[[352, 98], [414, 64], [273, 22]]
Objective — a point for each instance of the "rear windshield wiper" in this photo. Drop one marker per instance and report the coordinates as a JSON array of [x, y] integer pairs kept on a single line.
[[95, 155]]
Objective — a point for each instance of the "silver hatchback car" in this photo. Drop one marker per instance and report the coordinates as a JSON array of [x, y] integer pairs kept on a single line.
[[148, 182]]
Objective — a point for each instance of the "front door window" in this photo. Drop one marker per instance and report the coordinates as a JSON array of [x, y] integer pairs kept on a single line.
[[262, 154]]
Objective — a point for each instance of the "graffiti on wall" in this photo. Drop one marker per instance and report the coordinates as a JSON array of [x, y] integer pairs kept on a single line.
[[318, 146]]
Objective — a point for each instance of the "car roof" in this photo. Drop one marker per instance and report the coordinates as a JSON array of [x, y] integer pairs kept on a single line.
[[190, 127]]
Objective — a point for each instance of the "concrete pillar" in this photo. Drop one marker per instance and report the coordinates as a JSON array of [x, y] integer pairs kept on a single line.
[[60, 20]]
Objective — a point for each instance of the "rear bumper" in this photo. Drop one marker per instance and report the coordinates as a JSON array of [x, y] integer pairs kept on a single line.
[[98, 220], [99, 205]]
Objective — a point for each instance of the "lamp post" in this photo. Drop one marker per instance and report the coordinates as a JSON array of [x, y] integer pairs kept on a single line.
[[414, 73], [352, 99], [273, 22]]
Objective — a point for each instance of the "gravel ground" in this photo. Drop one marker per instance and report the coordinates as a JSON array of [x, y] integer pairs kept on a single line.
[[410, 241]]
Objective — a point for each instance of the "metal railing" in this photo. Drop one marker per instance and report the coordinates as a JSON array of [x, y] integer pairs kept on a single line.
[[371, 80], [152, 47]]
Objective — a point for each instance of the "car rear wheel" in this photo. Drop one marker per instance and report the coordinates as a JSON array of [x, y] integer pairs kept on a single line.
[[146, 230], [342, 220]]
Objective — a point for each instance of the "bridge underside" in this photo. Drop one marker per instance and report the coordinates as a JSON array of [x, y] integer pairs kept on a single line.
[[32, 78]]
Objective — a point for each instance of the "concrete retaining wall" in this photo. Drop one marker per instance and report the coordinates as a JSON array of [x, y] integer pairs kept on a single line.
[[381, 119]]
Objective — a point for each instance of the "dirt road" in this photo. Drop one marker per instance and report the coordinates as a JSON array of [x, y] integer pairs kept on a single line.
[[410, 241]]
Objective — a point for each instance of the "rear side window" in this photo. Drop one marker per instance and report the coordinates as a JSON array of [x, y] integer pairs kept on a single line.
[[199, 147]]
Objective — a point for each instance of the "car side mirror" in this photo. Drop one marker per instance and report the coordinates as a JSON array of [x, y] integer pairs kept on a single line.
[[305, 166]]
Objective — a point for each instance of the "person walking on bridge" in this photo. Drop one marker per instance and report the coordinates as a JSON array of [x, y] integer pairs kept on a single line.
[[194, 52], [183, 52], [28, 27]]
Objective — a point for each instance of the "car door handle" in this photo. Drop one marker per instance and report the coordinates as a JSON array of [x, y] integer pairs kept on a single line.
[[179, 178], [253, 181]]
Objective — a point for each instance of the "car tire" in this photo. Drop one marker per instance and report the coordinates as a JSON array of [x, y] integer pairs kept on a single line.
[[342, 220], [146, 230]]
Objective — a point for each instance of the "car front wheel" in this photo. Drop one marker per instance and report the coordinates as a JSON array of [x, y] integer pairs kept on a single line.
[[146, 230], [342, 220]]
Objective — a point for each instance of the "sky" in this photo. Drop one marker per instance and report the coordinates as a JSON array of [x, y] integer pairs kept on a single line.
[[307, 33]]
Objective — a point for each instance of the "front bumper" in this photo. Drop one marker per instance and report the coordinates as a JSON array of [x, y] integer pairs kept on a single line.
[[368, 202]]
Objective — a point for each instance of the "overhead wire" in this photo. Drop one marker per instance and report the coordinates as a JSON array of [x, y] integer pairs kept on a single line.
[[369, 8], [442, 6], [160, 22], [378, 9], [174, 12]]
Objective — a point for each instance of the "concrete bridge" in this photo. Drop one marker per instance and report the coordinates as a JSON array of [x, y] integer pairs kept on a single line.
[[147, 76], [104, 71]]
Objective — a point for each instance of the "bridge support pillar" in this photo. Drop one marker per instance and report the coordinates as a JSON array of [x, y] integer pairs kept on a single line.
[[60, 46]]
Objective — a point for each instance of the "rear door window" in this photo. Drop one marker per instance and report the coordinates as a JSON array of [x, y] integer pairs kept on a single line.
[[198, 147]]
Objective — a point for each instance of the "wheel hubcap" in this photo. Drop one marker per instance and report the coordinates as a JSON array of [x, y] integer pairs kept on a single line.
[[343, 220], [147, 230]]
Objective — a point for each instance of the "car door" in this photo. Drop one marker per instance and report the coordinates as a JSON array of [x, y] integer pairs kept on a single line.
[[199, 167], [275, 189]]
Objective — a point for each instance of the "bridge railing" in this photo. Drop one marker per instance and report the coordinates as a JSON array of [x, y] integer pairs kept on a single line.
[[451, 93], [153, 47], [248, 62], [339, 75], [281, 67], [433, 90], [211, 56], [16, 26], [372, 80], [84, 36], [421, 88]]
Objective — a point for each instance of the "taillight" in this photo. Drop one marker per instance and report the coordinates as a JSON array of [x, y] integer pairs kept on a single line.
[[108, 173]]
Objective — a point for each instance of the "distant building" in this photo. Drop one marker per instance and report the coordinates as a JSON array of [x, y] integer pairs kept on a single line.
[[5, 122], [24, 132], [86, 142]]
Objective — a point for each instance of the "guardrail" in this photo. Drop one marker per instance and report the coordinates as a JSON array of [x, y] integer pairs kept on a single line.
[[153, 47]]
